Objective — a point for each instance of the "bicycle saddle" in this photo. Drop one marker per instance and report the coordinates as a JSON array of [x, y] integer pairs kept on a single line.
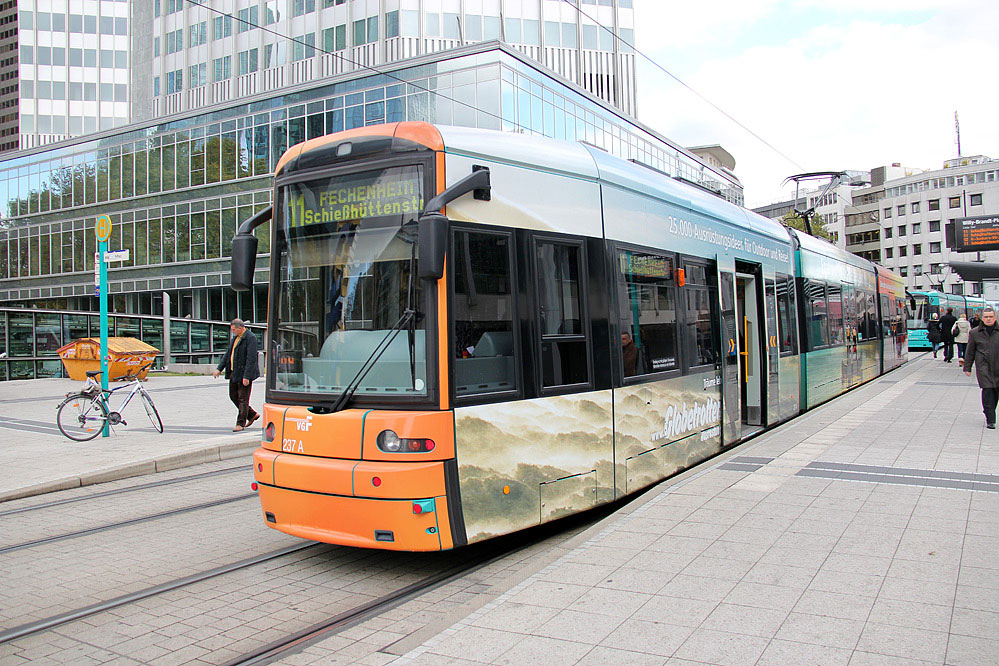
[[93, 373]]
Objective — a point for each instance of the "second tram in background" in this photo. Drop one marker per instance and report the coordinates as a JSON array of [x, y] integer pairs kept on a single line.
[[923, 305], [576, 328]]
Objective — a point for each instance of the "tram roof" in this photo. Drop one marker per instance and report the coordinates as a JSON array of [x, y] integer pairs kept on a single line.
[[589, 162]]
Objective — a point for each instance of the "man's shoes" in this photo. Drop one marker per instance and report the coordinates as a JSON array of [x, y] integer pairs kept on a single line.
[[990, 426], [252, 419], [237, 428]]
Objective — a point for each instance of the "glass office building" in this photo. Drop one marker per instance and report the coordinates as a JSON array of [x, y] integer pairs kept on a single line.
[[176, 189]]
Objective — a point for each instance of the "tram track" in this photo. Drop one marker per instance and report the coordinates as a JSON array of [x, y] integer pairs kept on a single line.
[[39, 626], [124, 523], [119, 491]]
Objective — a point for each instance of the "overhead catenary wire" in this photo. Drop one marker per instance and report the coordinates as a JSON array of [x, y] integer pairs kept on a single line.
[[359, 65], [575, 5]]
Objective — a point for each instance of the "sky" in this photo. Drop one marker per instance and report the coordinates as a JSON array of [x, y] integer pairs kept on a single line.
[[829, 85]]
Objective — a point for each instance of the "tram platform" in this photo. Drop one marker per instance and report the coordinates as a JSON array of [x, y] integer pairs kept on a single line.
[[862, 533], [197, 427]]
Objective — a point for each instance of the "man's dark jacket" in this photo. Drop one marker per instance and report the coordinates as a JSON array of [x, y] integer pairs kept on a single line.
[[947, 327], [983, 352], [244, 363]]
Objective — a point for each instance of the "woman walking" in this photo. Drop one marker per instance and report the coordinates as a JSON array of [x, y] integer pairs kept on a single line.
[[933, 332], [961, 331]]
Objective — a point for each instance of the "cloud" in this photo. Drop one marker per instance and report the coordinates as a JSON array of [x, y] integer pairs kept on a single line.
[[849, 94]]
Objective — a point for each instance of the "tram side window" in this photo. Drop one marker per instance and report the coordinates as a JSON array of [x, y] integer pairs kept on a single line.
[[834, 293], [888, 308], [817, 314], [869, 325], [647, 312], [786, 316], [483, 313], [563, 333], [701, 346]]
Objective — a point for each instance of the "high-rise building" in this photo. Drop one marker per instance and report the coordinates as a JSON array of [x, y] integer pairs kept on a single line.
[[9, 83], [73, 63], [915, 211], [201, 54]]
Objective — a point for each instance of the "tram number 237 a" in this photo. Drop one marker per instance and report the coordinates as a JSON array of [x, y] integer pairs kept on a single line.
[[292, 446]]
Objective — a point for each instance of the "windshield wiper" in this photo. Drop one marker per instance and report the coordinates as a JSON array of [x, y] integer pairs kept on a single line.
[[352, 386]]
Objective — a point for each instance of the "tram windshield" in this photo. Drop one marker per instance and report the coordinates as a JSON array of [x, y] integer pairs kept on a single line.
[[919, 317], [346, 256]]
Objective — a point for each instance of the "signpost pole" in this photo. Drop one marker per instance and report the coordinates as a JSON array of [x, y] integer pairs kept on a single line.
[[103, 231], [104, 324]]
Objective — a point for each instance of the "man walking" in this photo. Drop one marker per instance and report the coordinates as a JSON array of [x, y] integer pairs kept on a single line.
[[947, 334], [240, 367], [983, 350]]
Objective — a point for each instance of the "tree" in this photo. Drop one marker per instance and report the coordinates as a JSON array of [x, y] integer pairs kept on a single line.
[[794, 220]]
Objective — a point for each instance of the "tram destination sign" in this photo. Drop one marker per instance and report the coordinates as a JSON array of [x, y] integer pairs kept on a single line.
[[976, 234]]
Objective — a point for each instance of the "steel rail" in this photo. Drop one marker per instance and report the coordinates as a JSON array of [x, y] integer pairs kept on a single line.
[[118, 491], [124, 523]]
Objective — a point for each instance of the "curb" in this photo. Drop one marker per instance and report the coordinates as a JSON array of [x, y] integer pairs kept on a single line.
[[172, 461]]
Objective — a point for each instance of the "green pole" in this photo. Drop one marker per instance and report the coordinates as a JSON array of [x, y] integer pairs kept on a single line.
[[103, 246]]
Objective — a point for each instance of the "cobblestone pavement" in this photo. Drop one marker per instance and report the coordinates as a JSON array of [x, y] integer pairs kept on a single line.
[[197, 420]]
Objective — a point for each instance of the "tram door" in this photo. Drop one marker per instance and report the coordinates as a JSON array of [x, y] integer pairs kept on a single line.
[[752, 334]]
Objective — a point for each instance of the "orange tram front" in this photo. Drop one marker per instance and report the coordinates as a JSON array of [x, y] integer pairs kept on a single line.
[[358, 446]]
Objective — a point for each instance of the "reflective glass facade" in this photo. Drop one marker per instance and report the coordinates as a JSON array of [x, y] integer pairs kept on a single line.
[[30, 339], [176, 190]]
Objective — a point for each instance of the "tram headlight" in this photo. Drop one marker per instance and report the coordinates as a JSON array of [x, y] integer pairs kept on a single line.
[[390, 442]]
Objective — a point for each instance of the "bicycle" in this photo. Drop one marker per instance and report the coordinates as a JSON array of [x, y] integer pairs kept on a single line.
[[82, 416]]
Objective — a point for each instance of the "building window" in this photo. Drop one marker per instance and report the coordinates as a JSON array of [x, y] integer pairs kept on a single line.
[[175, 41], [903, 251], [957, 289], [917, 249], [975, 200], [917, 270], [248, 61], [933, 204], [198, 75], [900, 209], [222, 27], [915, 228], [335, 38], [954, 202], [887, 212], [915, 206], [222, 68], [247, 19], [175, 81], [199, 33], [903, 271], [888, 253], [901, 230], [888, 231], [934, 247], [302, 7], [304, 47], [936, 269], [934, 225], [366, 31]]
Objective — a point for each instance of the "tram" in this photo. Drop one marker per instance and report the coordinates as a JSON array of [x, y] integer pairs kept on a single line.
[[472, 332], [924, 304]]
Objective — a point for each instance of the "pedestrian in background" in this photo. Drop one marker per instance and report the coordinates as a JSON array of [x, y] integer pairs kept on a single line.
[[983, 350], [933, 332], [947, 334], [240, 367], [962, 329]]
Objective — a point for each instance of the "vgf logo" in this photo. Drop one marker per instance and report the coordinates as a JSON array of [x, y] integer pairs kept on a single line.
[[303, 424]]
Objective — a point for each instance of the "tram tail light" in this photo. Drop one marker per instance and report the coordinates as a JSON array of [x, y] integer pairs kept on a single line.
[[269, 432], [389, 442]]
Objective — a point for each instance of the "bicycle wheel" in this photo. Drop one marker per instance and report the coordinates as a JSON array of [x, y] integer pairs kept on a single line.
[[154, 416], [81, 417]]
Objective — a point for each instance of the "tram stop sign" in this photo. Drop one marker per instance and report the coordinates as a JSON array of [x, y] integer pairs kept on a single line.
[[103, 228]]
